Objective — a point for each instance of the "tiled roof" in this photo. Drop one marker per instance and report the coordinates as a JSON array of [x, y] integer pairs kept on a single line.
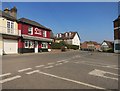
[[24, 20], [69, 37], [8, 16], [92, 42]]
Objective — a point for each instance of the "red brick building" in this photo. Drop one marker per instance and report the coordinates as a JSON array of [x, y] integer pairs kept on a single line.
[[34, 36], [90, 46]]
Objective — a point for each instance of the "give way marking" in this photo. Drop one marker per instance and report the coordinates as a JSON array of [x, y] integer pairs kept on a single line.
[[101, 73]]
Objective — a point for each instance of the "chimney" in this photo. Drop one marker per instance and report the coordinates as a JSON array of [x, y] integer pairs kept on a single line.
[[6, 10], [13, 12]]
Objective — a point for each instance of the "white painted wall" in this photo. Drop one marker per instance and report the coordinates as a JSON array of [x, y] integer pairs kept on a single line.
[[3, 26], [76, 40], [104, 44], [1, 45]]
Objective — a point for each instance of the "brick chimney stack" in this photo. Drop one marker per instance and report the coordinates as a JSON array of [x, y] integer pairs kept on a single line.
[[6, 10], [13, 12]]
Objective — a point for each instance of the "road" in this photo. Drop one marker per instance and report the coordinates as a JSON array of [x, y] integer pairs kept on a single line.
[[60, 70]]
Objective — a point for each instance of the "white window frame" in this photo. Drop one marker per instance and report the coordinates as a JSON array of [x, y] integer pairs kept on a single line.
[[66, 34], [44, 33], [70, 34], [57, 35], [60, 35], [30, 44], [26, 42], [30, 29], [10, 29]]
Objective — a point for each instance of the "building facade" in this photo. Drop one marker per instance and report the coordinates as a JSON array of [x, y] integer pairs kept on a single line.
[[107, 45], [22, 35], [117, 35], [90, 46], [71, 38], [34, 37], [8, 32]]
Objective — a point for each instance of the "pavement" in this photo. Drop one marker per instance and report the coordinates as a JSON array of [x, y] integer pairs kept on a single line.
[[60, 70]]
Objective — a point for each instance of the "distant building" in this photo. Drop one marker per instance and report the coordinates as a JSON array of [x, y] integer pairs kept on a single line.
[[117, 35], [71, 38], [107, 45], [90, 46]]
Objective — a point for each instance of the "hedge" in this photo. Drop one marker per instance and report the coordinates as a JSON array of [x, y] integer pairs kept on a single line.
[[61, 44], [110, 50]]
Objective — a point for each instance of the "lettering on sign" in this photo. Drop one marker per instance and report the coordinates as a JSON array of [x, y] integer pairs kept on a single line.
[[38, 31]]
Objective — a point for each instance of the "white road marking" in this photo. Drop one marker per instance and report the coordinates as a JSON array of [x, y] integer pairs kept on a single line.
[[70, 80], [39, 66], [110, 66], [76, 62], [50, 63], [60, 61], [99, 63], [24, 69], [48, 67], [58, 64], [63, 60], [101, 73], [28, 73], [66, 61], [5, 74], [10, 79]]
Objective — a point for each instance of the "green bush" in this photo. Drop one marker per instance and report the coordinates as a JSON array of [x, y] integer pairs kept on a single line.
[[61, 44], [110, 50], [75, 47]]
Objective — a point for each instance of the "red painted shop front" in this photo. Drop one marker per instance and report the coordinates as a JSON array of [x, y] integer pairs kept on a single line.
[[33, 38]]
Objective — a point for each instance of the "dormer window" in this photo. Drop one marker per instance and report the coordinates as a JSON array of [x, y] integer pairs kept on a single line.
[[57, 36], [60, 35], [66, 34], [30, 30], [70, 34]]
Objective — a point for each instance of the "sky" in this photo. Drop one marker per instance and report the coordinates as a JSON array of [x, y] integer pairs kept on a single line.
[[92, 20]]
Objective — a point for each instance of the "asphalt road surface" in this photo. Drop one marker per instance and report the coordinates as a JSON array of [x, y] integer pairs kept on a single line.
[[60, 70]]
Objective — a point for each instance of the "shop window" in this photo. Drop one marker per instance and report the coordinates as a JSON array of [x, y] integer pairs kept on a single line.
[[117, 46], [30, 30], [44, 33], [44, 45], [29, 44], [26, 44]]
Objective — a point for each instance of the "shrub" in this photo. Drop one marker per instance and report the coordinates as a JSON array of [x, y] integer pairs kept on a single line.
[[110, 50], [61, 44], [75, 47]]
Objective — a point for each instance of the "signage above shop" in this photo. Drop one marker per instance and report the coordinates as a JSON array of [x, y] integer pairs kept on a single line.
[[38, 31]]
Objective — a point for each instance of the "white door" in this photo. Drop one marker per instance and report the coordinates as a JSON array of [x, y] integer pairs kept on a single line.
[[36, 47], [10, 46]]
